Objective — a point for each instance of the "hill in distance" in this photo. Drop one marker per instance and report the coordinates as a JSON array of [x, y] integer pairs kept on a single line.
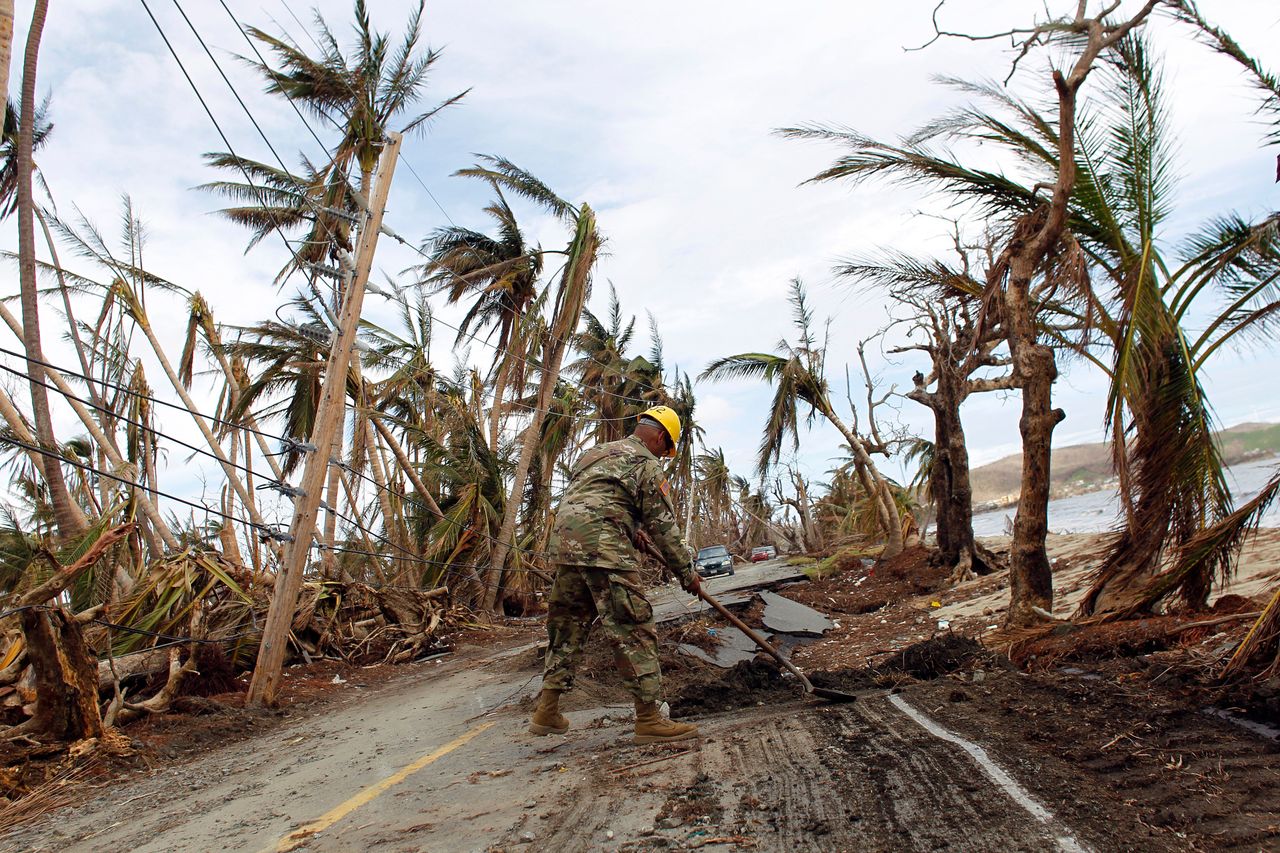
[[1084, 467]]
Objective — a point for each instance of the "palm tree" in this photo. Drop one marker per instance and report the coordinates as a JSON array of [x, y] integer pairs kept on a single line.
[[71, 523], [474, 493], [570, 298], [714, 485], [1159, 416], [1170, 467], [798, 375], [42, 128], [361, 93], [502, 273]]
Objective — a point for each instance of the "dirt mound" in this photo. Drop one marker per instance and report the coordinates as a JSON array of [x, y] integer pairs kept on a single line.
[[856, 589], [1097, 640], [850, 680], [925, 661], [752, 682], [911, 564], [938, 656]]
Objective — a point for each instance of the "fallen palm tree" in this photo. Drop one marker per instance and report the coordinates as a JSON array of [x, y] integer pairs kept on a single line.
[[58, 666]]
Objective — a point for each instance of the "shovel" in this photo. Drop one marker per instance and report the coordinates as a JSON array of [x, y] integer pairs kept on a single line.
[[821, 692], [644, 544]]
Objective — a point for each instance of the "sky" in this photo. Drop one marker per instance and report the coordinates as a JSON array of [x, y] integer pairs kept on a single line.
[[659, 115]]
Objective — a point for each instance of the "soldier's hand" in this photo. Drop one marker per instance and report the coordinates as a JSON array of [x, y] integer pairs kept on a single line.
[[692, 584]]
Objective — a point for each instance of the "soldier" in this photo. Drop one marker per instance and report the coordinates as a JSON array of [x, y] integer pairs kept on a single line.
[[617, 492]]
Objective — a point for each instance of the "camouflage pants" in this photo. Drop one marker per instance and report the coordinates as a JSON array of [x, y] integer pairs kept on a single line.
[[581, 595]]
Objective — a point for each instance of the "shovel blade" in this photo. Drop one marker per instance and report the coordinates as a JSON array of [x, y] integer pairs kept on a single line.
[[833, 695]]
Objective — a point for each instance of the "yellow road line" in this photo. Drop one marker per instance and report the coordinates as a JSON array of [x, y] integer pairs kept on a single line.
[[304, 833]]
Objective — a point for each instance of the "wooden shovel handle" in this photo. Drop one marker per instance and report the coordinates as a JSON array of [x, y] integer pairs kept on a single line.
[[755, 637]]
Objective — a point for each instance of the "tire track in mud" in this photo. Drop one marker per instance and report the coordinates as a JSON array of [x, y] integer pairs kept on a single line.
[[860, 777], [876, 781], [1161, 775]]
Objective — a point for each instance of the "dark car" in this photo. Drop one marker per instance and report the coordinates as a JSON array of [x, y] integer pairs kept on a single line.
[[714, 560], [763, 552]]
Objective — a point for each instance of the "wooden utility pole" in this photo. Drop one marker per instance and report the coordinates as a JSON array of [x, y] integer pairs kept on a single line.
[[275, 634]]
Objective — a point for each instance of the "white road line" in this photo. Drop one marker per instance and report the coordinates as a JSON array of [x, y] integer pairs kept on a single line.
[[1065, 841]]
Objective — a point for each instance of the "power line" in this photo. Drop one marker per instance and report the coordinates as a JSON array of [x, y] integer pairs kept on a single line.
[[127, 390], [236, 94], [240, 163], [139, 424], [284, 488], [252, 46], [267, 531], [302, 190]]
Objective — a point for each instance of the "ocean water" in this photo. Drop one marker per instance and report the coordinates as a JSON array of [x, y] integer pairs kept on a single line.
[[1098, 511]]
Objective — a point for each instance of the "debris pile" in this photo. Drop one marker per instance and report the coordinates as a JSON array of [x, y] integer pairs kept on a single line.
[[195, 617]]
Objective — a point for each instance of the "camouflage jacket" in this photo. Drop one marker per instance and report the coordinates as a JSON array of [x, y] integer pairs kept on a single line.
[[615, 488]]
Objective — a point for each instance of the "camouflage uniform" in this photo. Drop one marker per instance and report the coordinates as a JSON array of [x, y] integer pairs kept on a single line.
[[615, 488]]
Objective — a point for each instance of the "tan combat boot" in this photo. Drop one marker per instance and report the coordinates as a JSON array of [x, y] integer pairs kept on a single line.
[[547, 719], [652, 727]]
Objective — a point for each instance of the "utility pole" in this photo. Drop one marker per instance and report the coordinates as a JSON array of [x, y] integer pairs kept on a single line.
[[284, 601]]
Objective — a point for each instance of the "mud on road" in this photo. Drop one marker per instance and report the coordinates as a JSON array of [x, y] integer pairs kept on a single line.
[[441, 762]]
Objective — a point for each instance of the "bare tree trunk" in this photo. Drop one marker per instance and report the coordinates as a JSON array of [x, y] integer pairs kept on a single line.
[[879, 491], [952, 490], [104, 441], [1031, 580], [66, 674], [1030, 575], [70, 524], [573, 293], [327, 561], [6, 46]]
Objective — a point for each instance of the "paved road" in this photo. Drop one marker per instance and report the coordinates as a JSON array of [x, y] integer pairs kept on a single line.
[[671, 602], [441, 762]]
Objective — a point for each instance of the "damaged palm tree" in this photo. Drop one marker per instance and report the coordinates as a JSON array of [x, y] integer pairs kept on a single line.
[[1039, 257], [571, 296], [64, 671], [799, 376]]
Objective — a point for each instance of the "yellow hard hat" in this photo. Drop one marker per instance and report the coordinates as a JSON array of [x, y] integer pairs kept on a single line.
[[670, 421]]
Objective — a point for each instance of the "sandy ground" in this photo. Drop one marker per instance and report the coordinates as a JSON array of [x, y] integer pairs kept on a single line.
[[875, 618]]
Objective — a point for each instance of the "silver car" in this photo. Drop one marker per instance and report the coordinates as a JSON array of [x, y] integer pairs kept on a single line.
[[714, 560]]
